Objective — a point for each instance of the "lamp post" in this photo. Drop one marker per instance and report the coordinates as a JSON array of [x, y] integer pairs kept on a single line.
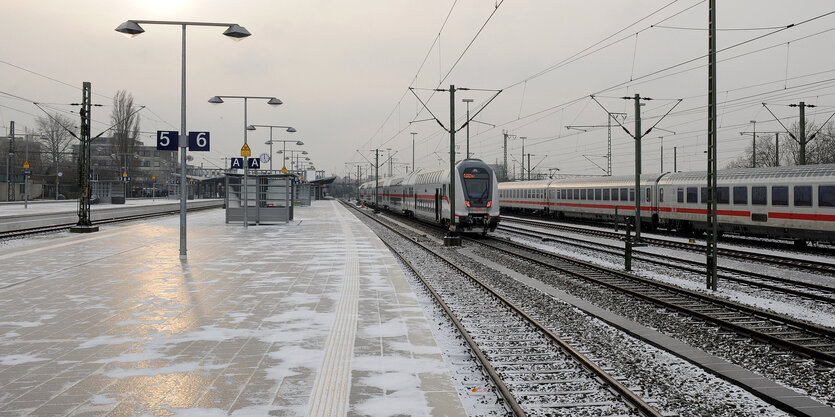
[[271, 101], [523, 156], [754, 145], [131, 28], [295, 154], [468, 101], [413, 150], [290, 129]]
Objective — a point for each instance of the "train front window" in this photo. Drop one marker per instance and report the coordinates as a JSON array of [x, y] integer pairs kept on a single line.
[[476, 185]]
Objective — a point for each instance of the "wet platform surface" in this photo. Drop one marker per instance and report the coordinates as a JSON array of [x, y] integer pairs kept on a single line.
[[313, 317]]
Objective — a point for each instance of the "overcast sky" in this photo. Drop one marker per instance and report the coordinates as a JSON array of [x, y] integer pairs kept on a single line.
[[343, 70]]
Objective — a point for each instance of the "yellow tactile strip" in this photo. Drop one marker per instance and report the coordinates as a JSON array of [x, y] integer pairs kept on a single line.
[[332, 386]]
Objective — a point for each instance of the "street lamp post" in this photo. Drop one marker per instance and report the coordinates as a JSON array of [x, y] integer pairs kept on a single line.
[[271, 101], [468, 101], [754, 145], [270, 142], [131, 28], [413, 150]]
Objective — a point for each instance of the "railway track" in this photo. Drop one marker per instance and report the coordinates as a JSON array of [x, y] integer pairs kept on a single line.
[[534, 370], [823, 268], [806, 339], [753, 279]]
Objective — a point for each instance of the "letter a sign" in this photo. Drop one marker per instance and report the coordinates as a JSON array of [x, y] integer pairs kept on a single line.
[[237, 163]]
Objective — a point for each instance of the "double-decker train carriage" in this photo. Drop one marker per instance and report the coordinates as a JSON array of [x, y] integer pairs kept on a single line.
[[424, 195], [796, 202]]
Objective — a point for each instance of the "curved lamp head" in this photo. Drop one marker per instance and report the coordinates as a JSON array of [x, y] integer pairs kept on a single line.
[[304, 152], [215, 100], [300, 143], [130, 29], [236, 32], [250, 127], [291, 130], [274, 101], [280, 152]]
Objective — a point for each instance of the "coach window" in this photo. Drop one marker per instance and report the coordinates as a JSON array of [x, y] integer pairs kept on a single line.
[[583, 194], [631, 194], [803, 195], [703, 192], [826, 196], [597, 194], [591, 193], [680, 195], [723, 195], [660, 194], [624, 194], [649, 195], [759, 196], [576, 194], [741, 195], [692, 194], [605, 192], [614, 194]]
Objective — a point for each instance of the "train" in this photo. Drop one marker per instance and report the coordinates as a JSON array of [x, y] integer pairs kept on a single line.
[[423, 195], [793, 202]]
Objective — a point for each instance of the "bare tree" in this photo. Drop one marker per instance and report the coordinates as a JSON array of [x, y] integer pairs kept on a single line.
[[56, 137], [125, 130], [820, 148]]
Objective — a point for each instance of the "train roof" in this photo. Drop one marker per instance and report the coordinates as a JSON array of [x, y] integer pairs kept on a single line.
[[747, 175], [525, 184]]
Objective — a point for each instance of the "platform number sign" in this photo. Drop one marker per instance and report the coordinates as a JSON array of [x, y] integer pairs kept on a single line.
[[198, 141], [237, 163], [167, 140], [254, 163]]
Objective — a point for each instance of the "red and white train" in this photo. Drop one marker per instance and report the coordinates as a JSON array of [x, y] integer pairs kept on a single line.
[[424, 195], [796, 202]]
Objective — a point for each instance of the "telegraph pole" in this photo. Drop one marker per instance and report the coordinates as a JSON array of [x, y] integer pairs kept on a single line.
[[522, 161], [638, 167], [376, 179], [802, 127], [776, 149], [712, 225], [9, 161], [413, 151], [84, 223], [637, 136], [506, 135], [451, 195]]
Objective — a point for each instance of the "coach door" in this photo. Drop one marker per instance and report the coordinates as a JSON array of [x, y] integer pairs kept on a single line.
[[437, 205]]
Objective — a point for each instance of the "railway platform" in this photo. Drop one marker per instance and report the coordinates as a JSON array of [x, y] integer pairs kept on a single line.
[[314, 317]]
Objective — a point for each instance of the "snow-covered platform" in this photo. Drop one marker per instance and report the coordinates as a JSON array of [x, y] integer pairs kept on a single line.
[[313, 317], [17, 215]]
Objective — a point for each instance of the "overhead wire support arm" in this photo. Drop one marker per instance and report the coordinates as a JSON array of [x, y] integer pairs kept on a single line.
[[412, 89], [791, 135], [615, 118], [812, 136], [662, 117], [56, 121], [482, 107]]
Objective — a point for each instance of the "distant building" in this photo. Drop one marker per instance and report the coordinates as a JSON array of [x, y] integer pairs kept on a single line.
[[111, 161]]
